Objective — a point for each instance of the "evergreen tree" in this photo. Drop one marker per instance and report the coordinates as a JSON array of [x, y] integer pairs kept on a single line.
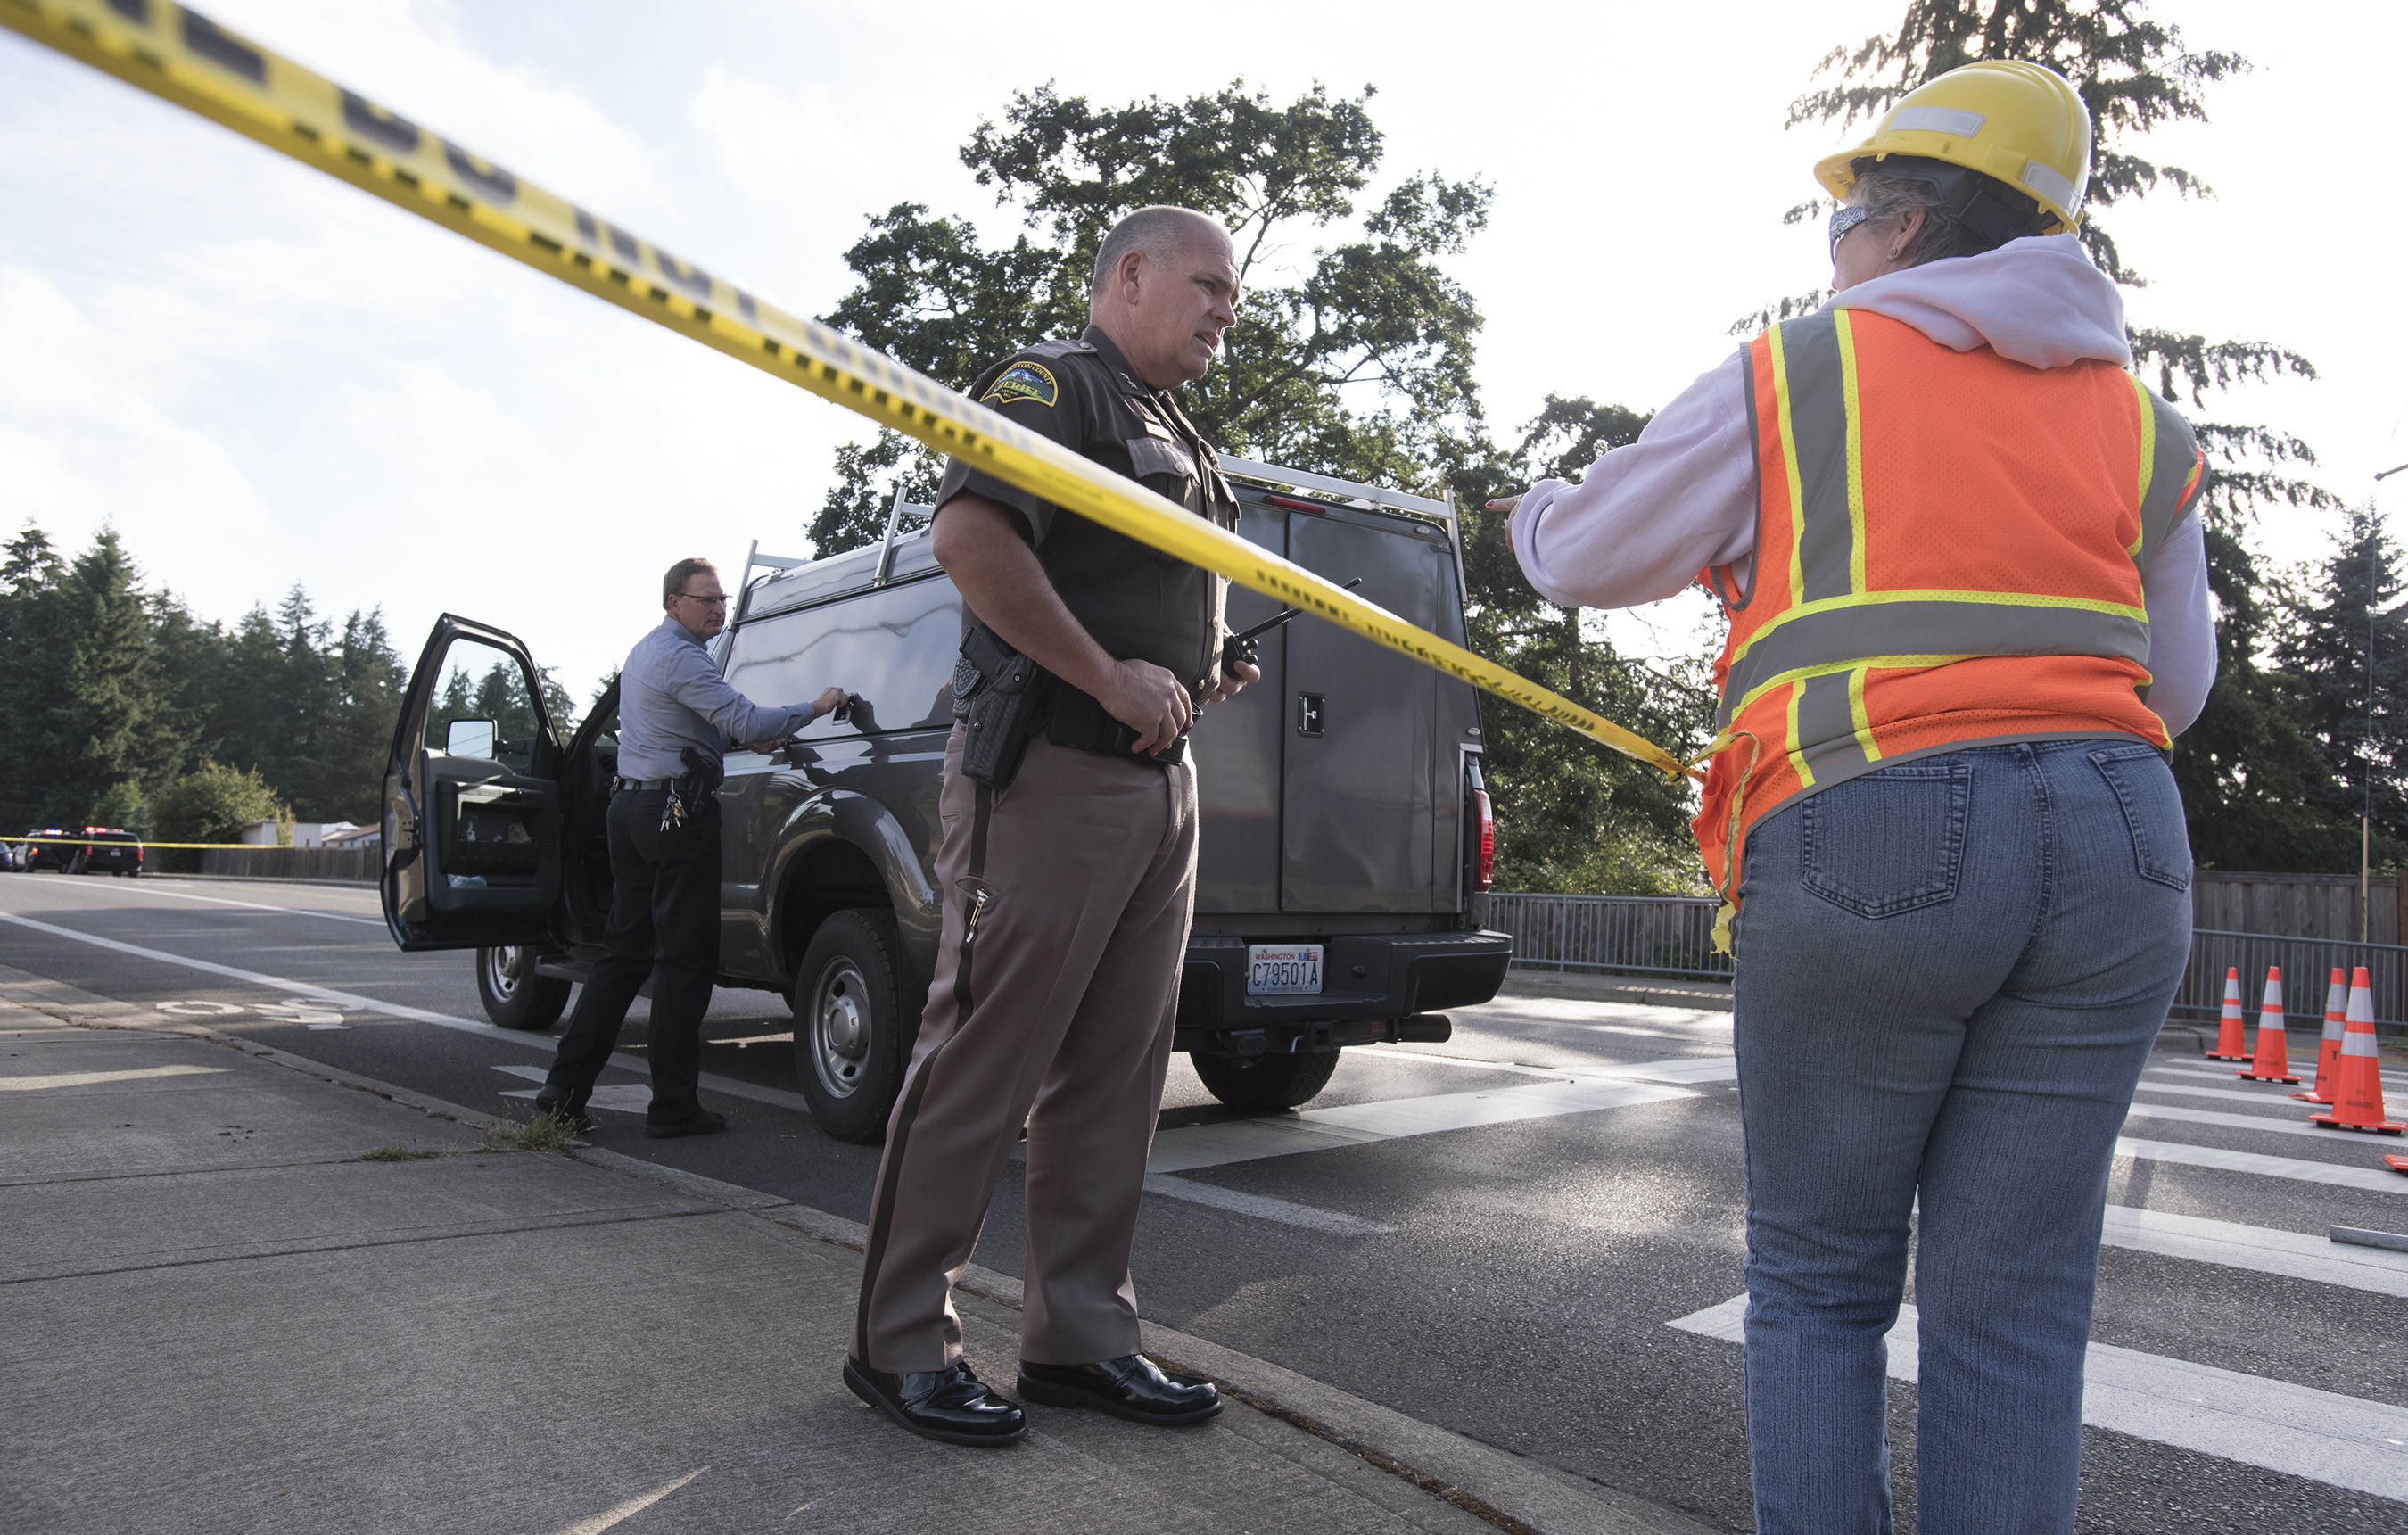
[[2343, 650], [107, 694], [2247, 752], [31, 572]]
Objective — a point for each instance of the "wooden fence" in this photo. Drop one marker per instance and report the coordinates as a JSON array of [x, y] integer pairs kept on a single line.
[[2323, 906], [352, 864]]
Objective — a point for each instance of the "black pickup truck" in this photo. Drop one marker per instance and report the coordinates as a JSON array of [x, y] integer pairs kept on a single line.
[[1346, 832]]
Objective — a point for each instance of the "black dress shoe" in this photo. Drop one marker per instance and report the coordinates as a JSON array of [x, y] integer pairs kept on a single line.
[[570, 1111], [1131, 1386], [951, 1404], [701, 1122]]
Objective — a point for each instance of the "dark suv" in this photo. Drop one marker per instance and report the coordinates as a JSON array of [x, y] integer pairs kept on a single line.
[[1345, 838]]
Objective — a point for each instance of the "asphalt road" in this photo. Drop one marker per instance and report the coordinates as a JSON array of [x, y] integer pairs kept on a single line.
[[1494, 1235]]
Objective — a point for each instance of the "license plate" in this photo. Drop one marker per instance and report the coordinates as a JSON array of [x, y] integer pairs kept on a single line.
[[1283, 970]]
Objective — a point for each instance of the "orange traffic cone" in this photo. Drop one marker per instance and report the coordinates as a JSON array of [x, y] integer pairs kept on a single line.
[[2359, 1103], [2273, 1062], [2228, 1044], [2329, 1052]]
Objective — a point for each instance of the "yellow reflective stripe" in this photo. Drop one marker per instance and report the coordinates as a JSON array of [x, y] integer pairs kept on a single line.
[[1797, 748], [1856, 711], [1982, 600], [1790, 465], [1855, 449], [1871, 663], [2148, 461]]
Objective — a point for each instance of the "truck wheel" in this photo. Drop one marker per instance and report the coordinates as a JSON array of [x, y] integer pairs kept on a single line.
[[855, 1019], [1265, 1082], [514, 996]]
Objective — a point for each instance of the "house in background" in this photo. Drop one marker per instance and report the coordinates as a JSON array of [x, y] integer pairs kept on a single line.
[[306, 834]]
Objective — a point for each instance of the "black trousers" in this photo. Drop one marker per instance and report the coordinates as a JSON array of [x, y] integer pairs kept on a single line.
[[665, 925]]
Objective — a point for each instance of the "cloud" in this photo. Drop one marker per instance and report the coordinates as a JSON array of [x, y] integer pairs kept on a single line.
[[415, 56]]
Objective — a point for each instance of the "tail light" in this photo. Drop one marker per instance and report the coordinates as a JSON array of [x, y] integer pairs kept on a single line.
[[1483, 866]]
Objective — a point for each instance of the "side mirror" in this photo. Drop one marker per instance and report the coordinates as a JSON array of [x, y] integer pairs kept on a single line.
[[469, 739]]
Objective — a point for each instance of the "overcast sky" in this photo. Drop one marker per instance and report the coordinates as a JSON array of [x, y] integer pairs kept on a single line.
[[264, 377]]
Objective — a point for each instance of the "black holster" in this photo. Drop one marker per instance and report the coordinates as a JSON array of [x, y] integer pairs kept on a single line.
[[1000, 696]]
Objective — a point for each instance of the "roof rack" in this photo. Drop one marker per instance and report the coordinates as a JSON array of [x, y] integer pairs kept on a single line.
[[1247, 468]]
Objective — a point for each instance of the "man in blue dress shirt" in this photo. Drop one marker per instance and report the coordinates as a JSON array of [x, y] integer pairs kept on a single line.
[[676, 719]]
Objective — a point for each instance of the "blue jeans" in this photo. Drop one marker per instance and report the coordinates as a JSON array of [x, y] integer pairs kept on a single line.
[[1950, 974]]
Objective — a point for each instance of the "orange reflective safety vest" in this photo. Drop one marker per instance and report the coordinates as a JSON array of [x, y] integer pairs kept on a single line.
[[1949, 549]]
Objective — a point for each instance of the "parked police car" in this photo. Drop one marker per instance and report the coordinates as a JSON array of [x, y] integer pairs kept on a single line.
[[1345, 838]]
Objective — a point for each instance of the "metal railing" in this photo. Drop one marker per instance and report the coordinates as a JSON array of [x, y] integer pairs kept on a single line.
[[2306, 963], [1674, 936], [1625, 935]]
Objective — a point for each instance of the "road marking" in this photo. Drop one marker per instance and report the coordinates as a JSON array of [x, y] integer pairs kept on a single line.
[[2271, 1099], [2219, 1157], [2342, 1442], [198, 1009], [2262, 1122], [1282, 1210], [91, 1079], [1364, 1124], [729, 1086], [2306, 1069], [2264, 1249], [627, 1098], [596, 1524], [1686, 1069], [1549, 1011], [218, 900]]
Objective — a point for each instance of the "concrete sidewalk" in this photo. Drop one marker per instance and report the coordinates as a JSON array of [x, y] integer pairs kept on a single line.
[[215, 1315]]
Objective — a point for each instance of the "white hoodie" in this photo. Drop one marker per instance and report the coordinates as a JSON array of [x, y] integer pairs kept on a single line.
[[1648, 517]]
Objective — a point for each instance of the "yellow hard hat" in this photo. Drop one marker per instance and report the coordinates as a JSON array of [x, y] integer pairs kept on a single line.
[[2019, 124]]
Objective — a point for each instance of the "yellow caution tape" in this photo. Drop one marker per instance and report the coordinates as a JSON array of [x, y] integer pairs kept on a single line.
[[183, 57]]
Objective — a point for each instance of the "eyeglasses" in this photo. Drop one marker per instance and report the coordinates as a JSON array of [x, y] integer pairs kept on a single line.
[[1846, 219], [708, 602]]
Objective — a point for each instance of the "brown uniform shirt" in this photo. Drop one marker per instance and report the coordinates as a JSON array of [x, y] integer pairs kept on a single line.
[[1137, 604]]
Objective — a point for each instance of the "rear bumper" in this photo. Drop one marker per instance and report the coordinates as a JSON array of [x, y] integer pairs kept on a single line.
[[1371, 982]]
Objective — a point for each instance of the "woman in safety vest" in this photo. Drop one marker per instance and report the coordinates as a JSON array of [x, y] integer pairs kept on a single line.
[[1967, 603]]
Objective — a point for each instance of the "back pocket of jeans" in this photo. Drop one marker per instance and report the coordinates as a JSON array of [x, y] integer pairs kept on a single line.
[[2152, 812], [1890, 841]]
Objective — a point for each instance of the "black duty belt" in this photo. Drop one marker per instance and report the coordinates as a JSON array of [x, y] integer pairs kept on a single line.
[[1079, 720], [638, 785]]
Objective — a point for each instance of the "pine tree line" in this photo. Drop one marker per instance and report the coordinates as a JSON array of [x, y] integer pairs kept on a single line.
[[122, 708]]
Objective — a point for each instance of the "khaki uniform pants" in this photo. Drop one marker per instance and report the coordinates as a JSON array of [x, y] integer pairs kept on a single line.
[[1055, 1011]]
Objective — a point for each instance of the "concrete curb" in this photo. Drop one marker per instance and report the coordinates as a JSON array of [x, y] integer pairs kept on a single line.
[[1510, 1491]]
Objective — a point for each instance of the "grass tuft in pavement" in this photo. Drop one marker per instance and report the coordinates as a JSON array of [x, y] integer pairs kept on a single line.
[[545, 1132], [398, 1154]]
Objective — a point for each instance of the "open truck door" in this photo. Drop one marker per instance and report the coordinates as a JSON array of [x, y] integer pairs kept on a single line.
[[472, 800]]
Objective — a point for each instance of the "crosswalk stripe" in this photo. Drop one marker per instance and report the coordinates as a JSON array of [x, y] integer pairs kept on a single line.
[[2264, 1249], [2282, 1103], [2265, 1124], [1285, 1212], [2371, 1179], [1364, 1124], [2342, 1442]]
